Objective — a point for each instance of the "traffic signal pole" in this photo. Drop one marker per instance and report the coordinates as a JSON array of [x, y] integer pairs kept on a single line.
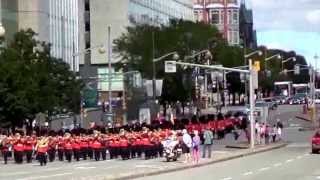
[[250, 72]]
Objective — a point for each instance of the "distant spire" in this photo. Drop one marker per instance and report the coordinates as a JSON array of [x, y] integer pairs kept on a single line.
[[243, 2]]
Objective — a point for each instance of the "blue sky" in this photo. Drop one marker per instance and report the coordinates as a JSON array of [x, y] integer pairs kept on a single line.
[[289, 25]]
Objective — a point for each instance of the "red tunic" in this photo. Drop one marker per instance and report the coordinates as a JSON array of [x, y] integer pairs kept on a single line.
[[18, 146]]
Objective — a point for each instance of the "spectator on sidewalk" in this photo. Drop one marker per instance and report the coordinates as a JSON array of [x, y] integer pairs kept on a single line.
[[196, 147], [279, 133], [208, 141], [274, 133], [187, 144], [258, 132]]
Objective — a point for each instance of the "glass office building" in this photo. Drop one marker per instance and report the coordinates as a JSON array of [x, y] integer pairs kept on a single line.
[[159, 11]]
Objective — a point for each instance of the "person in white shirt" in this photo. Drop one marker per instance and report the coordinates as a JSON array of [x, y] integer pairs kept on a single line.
[[258, 132], [187, 145]]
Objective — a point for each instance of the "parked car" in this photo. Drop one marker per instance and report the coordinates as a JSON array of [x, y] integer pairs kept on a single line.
[[281, 99], [298, 99], [271, 103], [315, 142]]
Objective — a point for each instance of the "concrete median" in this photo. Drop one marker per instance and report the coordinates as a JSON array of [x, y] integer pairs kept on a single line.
[[217, 159]]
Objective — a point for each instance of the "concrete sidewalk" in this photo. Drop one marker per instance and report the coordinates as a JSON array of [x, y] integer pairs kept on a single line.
[[166, 167]]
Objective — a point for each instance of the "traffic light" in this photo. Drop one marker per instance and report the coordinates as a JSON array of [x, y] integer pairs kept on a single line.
[[268, 73], [296, 69], [256, 66]]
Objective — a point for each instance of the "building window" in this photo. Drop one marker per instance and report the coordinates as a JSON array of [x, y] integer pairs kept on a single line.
[[229, 17], [87, 45], [222, 17], [87, 5], [87, 27], [235, 37], [235, 17], [198, 15], [215, 17]]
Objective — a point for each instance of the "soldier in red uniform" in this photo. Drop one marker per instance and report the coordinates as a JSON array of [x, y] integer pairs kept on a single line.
[[117, 150], [146, 146], [103, 141], [133, 146], [68, 147], [42, 149], [5, 147], [96, 146], [139, 146], [90, 150], [52, 148], [18, 147], [111, 146], [124, 147], [28, 148], [84, 147], [60, 147], [76, 148]]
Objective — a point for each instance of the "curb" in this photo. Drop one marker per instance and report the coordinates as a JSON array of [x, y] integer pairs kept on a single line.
[[203, 164], [302, 118]]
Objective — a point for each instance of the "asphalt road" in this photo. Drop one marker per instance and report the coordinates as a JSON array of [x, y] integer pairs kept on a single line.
[[290, 163], [294, 162]]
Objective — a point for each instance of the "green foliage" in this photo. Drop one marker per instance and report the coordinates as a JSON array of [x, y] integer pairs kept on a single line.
[[185, 37], [31, 81]]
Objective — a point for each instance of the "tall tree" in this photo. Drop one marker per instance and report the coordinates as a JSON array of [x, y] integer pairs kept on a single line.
[[31, 81], [185, 37]]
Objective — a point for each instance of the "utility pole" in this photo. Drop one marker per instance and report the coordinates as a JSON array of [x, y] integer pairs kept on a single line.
[[154, 86], [252, 106], [109, 72]]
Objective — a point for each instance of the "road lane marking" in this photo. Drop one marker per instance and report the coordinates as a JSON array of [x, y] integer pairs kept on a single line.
[[247, 173], [14, 173], [277, 165], [318, 177], [264, 169], [85, 167], [227, 178], [289, 160], [45, 177], [307, 154], [299, 157]]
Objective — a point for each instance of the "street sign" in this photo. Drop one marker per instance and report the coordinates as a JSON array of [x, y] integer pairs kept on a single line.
[[170, 67], [296, 69], [256, 65]]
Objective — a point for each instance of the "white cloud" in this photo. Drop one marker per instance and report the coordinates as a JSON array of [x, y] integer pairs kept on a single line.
[[313, 17]]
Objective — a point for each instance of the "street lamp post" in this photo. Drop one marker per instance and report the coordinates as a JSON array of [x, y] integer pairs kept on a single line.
[[287, 60], [208, 56], [247, 56], [154, 61], [251, 97]]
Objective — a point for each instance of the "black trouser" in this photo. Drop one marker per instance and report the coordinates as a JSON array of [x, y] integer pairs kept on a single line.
[[139, 150], [133, 151], [97, 154], [76, 154], [111, 152], [6, 154], [160, 149], [116, 151], [90, 153], [124, 153], [29, 156], [42, 159], [68, 154], [52, 154], [18, 156], [84, 151], [60, 154], [274, 138], [104, 153], [146, 150]]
